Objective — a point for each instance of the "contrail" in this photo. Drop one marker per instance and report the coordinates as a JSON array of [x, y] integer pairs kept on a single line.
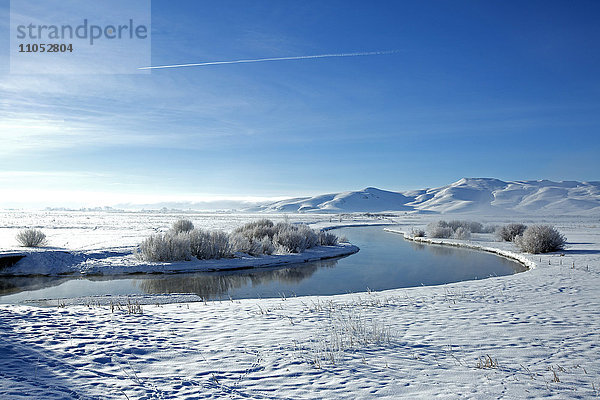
[[369, 53]]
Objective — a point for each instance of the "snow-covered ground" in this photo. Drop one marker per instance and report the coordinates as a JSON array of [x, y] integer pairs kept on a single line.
[[531, 335], [468, 195], [104, 243]]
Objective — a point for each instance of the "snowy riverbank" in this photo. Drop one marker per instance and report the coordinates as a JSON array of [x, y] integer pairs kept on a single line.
[[530, 335], [53, 262]]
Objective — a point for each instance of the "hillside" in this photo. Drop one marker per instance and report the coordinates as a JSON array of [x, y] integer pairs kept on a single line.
[[468, 195]]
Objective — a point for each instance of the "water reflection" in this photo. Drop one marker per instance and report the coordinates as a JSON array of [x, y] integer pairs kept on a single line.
[[385, 261], [16, 284], [218, 285]]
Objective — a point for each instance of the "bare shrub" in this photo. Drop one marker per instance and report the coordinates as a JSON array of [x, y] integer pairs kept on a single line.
[[31, 238], [182, 225], [165, 247], [509, 232], [327, 239], [462, 233], [540, 239]]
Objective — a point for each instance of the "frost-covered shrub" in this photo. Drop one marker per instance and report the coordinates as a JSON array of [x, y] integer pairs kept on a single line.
[[266, 246], [311, 237], [182, 225], [294, 239], [219, 245], [540, 239], [327, 239], [439, 229], [206, 245], [165, 247], [509, 232], [462, 233], [255, 238], [241, 244], [31, 238], [471, 226], [257, 230], [417, 232]]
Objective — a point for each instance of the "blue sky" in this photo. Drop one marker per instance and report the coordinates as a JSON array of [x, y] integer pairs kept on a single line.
[[501, 89]]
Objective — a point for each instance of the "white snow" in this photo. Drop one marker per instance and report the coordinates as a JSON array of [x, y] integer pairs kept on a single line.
[[469, 195], [104, 243], [124, 261], [540, 329]]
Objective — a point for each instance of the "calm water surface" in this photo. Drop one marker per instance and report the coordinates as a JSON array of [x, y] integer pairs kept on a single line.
[[385, 261]]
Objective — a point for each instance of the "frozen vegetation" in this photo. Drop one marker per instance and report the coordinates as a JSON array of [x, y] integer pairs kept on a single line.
[[262, 237], [534, 239], [31, 238], [458, 229], [525, 336], [540, 239], [509, 232]]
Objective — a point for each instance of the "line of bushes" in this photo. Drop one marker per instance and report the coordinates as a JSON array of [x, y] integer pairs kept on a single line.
[[456, 229], [533, 239], [261, 237]]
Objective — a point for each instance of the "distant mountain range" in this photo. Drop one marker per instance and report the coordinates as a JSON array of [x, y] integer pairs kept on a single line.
[[468, 195]]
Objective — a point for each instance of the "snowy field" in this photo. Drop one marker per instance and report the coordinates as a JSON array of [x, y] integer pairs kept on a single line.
[[104, 243], [530, 335]]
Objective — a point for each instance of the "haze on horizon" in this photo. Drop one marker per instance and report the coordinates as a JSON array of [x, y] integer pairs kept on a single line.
[[490, 89]]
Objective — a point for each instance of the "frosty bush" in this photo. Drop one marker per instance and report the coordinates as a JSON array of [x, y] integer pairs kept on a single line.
[[257, 230], [265, 237], [462, 233], [164, 247], [540, 239], [457, 228], [31, 238], [206, 245], [327, 239], [417, 232], [289, 239], [509, 232], [241, 244], [266, 246], [439, 229], [182, 225], [254, 238], [470, 226]]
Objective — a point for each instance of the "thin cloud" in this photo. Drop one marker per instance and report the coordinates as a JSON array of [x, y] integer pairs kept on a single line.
[[368, 53]]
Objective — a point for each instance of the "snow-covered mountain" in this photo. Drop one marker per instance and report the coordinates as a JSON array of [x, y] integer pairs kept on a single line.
[[468, 195]]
